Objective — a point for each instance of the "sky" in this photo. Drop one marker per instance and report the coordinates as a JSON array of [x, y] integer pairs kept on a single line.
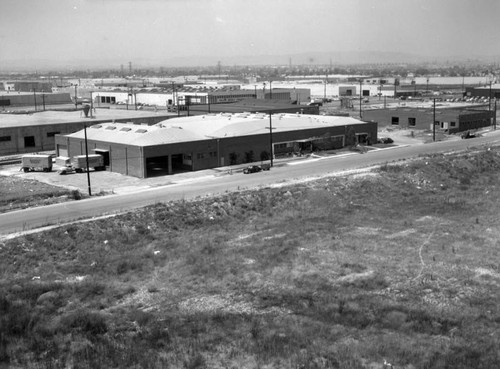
[[130, 30]]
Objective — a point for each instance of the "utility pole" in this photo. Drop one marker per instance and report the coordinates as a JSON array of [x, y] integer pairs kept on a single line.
[[360, 96], [434, 122], [270, 90], [43, 101], [34, 97], [271, 137], [87, 157], [495, 115], [326, 81], [76, 99], [489, 100]]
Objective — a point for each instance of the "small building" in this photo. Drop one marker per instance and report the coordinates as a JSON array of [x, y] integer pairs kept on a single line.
[[211, 140], [450, 120]]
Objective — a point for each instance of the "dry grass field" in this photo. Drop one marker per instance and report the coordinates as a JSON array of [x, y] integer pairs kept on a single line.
[[17, 193], [401, 265]]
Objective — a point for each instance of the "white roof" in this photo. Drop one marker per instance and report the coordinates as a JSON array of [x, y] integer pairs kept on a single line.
[[204, 127]]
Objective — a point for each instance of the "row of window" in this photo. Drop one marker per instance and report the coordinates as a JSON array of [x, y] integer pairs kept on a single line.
[[412, 122], [202, 155]]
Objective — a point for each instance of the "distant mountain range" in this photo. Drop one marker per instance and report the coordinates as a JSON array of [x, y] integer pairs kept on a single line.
[[306, 58]]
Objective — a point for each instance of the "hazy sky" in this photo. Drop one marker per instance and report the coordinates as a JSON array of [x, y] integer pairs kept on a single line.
[[161, 29]]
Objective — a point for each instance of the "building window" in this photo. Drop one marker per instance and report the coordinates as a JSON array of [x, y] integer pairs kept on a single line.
[[412, 122], [200, 155], [453, 124], [52, 134], [4, 138], [29, 141], [395, 120]]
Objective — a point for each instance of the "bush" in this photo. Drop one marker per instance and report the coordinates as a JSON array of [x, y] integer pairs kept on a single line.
[[75, 195], [86, 321]]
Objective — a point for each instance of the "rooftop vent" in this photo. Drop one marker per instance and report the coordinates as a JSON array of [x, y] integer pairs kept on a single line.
[[110, 128], [126, 129]]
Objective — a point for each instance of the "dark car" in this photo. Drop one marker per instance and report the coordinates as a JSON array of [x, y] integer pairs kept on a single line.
[[385, 140], [252, 169], [467, 135]]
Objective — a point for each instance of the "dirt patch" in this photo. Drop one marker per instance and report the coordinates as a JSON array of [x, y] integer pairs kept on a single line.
[[18, 193]]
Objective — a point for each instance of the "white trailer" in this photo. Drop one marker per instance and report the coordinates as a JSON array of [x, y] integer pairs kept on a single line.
[[96, 161], [36, 162]]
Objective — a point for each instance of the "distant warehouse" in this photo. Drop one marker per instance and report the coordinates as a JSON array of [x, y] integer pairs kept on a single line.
[[212, 140], [449, 120]]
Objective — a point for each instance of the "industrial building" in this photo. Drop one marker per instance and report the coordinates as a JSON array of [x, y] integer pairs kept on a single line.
[[489, 91], [211, 140], [16, 98], [200, 95], [449, 120], [253, 106], [26, 86], [22, 133]]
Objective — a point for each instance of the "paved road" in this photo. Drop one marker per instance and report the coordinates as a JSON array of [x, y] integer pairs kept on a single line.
[[61, 213]]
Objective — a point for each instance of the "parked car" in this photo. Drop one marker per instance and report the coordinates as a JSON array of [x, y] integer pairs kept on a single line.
[[266, 166], [385, 140], [467, 135], [252, 169]]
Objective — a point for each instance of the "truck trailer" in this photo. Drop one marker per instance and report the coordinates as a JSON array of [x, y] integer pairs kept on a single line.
[[36, 162], [96, 162]]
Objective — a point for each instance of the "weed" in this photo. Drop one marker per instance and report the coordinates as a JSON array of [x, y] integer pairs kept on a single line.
[[283, 295], [89, 322]]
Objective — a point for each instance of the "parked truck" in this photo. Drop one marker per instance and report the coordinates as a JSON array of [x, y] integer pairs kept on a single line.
[[96, 161], [36, 162]]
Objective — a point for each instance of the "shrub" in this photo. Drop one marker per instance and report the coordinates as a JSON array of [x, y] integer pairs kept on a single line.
[[75, 195], [86, 321]]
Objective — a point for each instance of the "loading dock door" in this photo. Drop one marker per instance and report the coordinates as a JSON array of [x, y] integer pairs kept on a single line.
[[157, 166], [182, 163], [62, 150], [105, 155]]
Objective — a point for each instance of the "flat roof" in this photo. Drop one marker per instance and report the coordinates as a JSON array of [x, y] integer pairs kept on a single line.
[[210, 126], [60, 117]]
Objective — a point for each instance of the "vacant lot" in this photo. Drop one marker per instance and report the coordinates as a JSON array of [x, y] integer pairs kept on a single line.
[[18, 193], [401, 264]]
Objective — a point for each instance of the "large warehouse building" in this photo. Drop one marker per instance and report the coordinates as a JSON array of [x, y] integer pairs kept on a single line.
[[209, 141]]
